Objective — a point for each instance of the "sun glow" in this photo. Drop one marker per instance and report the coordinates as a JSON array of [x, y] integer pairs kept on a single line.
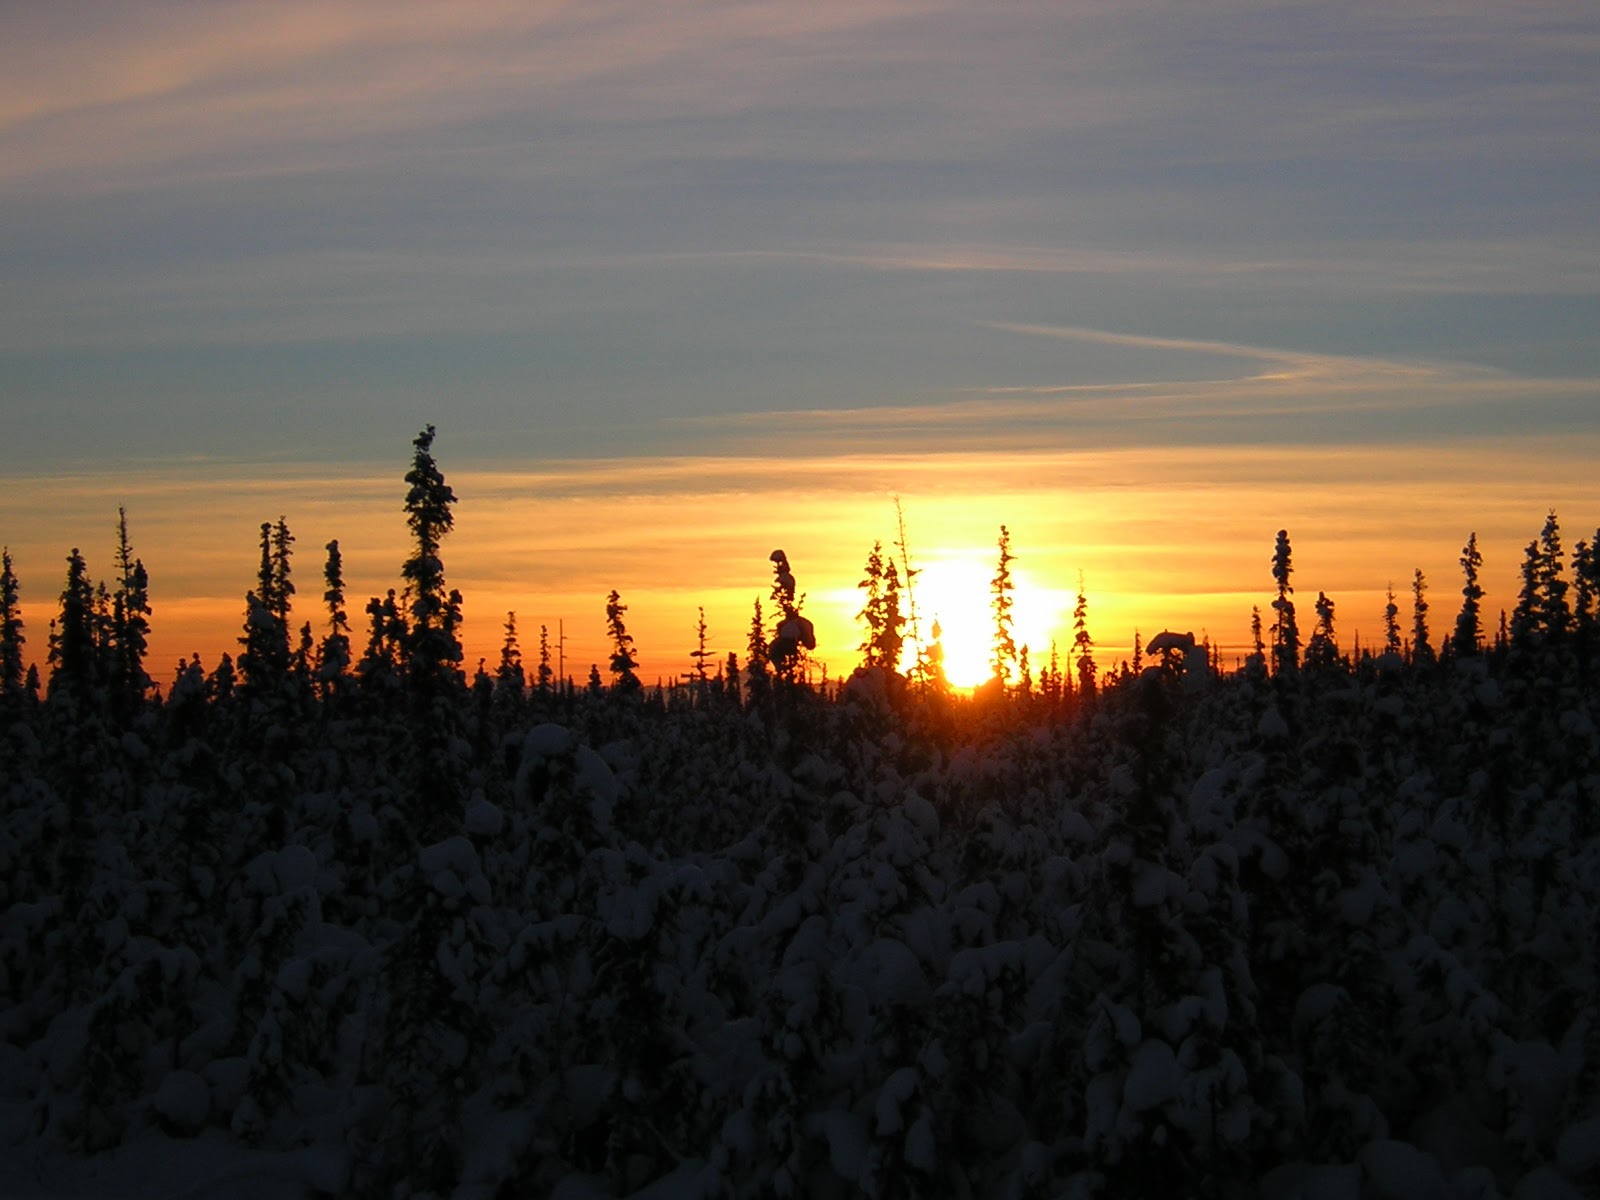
[[957, 592]]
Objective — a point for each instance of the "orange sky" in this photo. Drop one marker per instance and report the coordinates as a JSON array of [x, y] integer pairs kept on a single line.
[[1163, 538]]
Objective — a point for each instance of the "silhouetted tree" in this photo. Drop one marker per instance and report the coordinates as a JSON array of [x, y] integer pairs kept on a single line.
[[333, 657], [1004, 658], [1586, 598], [755, 668], [1323, 649], [435, 610], [509, 678], [1421, 649], [700, 654], [623, 678], [792, 633], [546, 673], [130, 624], [13, 672], [1285, 633], [264, 659], [1391, 622], [881, 612], [74, 647], [1082, 643], [1468, 638], [1555, 615]]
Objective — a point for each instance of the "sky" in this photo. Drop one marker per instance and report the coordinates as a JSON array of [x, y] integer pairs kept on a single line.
[[681, 284]]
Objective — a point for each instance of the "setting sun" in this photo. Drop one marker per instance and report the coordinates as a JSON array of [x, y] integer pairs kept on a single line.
[[956, 592]]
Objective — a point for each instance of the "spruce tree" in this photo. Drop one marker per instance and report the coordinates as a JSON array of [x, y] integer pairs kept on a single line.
[[509, 677], [1004, 658], [264, 658], [546, 673], [1391, 622], [432, 649], [130, 623], [74, 650], [1555, 615], [1421, 649], [1323, 649], [623, 678], [1082, 643], [699, 654], [333, 658], [1586, 599], [1285, 633], [1468, 637], [13, 671]]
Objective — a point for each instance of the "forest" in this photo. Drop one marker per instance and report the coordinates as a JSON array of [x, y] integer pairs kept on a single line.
[[343, 915]]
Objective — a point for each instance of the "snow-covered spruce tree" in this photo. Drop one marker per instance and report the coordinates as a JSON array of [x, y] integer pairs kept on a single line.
[[792, 633], [1468, 637], [13, 671], [624, 679], [1003, 657], [1285, 633]]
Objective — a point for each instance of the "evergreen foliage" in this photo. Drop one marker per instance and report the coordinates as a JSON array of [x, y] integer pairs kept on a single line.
[[1004, 658], [623, 662], [13, 673], [1468, 637], [1285, 632]]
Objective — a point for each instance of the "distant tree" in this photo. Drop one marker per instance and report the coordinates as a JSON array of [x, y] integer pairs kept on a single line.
[[623, 677], [1285, 633], [386, 638], [546, 674], [13, 671], [1004, 658], [1468, 637], [756, 652], [220, 686], [700, 654], [1024, 674], [1258, 646], [1391, 622], [74, 644], [1323, 649], [279, 597], [1555, 615], [792, 633], [930, 662], [1586, 598], [130, 623], [510, 679], [595, 687], [264, 658], [1082, 643], [1421, 649], [333, 657], [881, 612], [435, 610], [1138, 648]]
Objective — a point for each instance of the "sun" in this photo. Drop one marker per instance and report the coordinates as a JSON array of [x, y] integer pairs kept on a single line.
[[955, 591]]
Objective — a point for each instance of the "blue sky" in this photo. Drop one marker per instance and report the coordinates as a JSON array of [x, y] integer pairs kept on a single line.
[[280, 230], [259, 234]]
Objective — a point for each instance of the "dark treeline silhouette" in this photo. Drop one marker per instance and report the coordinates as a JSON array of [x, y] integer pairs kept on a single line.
[[1323, 922]]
